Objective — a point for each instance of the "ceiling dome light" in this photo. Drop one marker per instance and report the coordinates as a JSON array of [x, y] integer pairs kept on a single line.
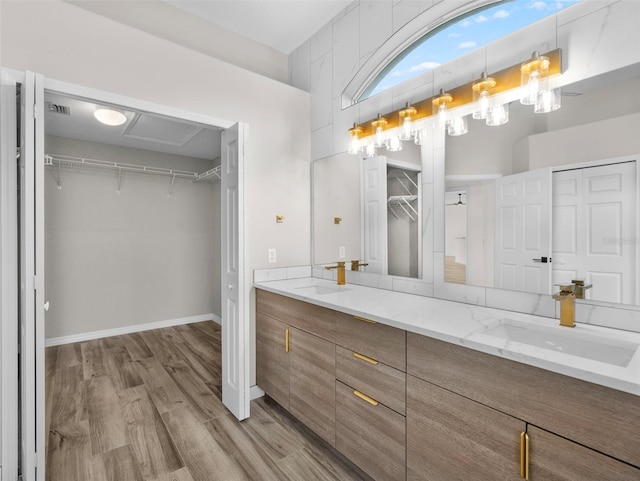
[[110, 116]]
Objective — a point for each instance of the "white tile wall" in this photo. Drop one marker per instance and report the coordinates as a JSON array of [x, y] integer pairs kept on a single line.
[[407, 10], [299, 67], [321, 42], [322, 142], [537, 304], [375, 25], [321, 73], [281, 273], [346, 50], [589, 37]]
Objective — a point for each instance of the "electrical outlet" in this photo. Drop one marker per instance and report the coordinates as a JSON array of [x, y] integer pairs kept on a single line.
[[342, 252], [272, 256]]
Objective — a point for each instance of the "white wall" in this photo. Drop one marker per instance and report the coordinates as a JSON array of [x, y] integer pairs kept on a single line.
[[153, 16], [120, 259], [336, 194], [93, 51]]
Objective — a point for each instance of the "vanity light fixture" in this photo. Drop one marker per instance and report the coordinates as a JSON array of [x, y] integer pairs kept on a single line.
[[370, 150], [394, 144], [109, 116], [417, 137], [481, 93], [355, 133], [406, 119], [534, 74], [458, 126], [485, 98], [378, 127], [548, 101], [498, 115], [440, 103]]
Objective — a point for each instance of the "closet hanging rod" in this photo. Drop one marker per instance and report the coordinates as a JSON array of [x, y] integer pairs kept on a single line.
[[64, 160]]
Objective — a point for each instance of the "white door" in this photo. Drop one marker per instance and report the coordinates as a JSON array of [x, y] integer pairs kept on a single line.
[[374, 219], [594, 227], [32, 280], [235, 314], [523, 232], [9, 277]]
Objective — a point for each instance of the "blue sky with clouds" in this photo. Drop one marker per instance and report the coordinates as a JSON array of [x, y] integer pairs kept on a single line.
[[464, 36]]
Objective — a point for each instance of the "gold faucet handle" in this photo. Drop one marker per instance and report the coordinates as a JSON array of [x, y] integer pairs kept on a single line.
[[340, 264], [580, 283], [356, 264], [566, 290]]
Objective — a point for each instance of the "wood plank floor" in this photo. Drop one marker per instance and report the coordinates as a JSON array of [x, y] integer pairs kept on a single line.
[[147, 407]]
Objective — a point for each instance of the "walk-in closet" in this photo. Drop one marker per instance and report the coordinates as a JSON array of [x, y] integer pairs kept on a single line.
[[132, 220]]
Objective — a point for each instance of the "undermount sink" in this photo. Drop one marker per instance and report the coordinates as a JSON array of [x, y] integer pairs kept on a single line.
[[568, 341], [316, 290]]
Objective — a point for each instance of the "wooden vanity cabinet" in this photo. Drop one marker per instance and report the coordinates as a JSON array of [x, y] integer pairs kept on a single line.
[[294, 366], [568, 420], [554, 458], [370, 396], [312, 395], [370, 434], [450, 437], [272, 368], [381, 342]]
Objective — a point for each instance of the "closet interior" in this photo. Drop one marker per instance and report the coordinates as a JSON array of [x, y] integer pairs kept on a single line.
[[132, 220]]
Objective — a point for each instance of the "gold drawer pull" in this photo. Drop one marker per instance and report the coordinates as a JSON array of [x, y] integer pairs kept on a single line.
[[365, 358], [286, 340], [365, 320], [371, 401], [524, 455]]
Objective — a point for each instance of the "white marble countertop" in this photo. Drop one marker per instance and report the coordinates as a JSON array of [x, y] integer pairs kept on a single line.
[[600, 355]]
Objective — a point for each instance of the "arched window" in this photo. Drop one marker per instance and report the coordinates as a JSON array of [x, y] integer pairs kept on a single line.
[[460, 36]]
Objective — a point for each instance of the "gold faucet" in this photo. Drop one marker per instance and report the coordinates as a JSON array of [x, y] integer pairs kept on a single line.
[[580, 287], [356, 265], [341, 272], [567, 297]]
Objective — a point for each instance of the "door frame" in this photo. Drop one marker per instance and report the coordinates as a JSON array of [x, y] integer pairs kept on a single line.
[[105, 97], [9, 410]]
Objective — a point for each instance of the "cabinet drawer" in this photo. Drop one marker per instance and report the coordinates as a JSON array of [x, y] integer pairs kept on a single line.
[[601, 418], [373, 437], [378, 341], [308, 317], [383, 383]]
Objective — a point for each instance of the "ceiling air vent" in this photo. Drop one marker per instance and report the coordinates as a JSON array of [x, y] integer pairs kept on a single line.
[[58, 109]]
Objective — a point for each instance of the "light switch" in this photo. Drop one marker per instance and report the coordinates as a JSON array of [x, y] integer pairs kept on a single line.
[[342, 252], [272, 256]]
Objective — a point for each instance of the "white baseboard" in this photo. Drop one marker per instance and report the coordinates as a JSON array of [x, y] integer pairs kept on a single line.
[[256, 392], [88, 336]]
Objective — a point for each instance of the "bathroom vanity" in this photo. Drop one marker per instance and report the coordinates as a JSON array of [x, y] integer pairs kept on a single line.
[[416, 388]]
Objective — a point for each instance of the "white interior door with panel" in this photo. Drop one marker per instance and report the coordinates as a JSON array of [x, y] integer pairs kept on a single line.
[[235, 313], [594, 230], [374, 218], [32, 382], [523, 232]]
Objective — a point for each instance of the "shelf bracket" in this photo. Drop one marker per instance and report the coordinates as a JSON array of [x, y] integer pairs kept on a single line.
[[173, 179]]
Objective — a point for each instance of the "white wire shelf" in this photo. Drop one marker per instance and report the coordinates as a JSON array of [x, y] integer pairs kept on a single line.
[[211, 174], [404, 202], [52, 160]]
